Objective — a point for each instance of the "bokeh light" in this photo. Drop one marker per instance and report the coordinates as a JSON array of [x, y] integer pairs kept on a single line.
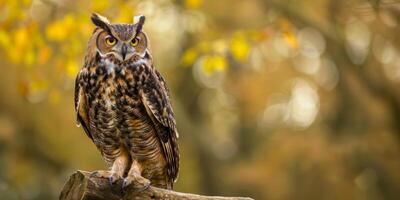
[[273, 99]]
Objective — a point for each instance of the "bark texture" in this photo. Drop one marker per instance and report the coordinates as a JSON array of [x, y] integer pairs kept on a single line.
[[81, 186]]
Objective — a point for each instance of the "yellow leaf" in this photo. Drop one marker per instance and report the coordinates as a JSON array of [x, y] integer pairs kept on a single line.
[[207, 65], [212, 64], [290, 39], [15, 12], [60, 30], [85, 29], [69, 21], [72, 69], [14, 54], [239, 47], [27, 2], [125, 13], [44, 55], [189, 57], [38, 39], [20, 38], [29, 58], [193, 4], [100, 5], [4, 39], [220, 63], [56, 32]]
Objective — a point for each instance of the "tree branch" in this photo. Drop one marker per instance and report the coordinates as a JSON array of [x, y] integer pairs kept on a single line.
[[81, 186]]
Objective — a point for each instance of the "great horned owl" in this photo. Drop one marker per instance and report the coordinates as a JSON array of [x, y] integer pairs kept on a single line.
[[123, 105]]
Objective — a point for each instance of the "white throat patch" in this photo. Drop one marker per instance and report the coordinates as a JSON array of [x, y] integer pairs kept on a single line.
[[110, 66]]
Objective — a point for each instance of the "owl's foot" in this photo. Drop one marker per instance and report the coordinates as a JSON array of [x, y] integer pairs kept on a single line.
[[111, 176], [138, 182]]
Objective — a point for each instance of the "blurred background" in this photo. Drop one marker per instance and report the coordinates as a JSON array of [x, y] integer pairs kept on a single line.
[[274, 99]]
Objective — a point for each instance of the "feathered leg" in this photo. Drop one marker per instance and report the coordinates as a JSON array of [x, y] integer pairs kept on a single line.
[[118, 167]]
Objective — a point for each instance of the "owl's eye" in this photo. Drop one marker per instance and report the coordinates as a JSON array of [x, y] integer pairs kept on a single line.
[[135, 42], [111, 41]]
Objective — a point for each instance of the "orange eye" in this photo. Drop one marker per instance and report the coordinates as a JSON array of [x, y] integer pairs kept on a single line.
[[111, 41], [135, 42]]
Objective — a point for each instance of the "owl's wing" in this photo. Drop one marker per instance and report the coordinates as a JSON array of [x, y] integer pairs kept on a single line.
[[163, 83], [154, 95], [81, 106]]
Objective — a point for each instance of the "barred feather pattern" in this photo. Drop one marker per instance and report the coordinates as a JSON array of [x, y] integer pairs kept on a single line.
[[126, 104]]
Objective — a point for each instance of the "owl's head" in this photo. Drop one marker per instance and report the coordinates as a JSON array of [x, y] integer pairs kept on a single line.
[[121, 41]]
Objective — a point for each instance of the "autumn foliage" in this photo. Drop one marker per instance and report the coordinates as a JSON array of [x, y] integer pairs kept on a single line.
[[273, 99]]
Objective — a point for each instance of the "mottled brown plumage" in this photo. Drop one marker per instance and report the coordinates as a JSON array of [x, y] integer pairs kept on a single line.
[[123, 105]]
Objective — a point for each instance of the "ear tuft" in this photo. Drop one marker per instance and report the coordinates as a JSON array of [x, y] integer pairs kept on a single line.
[[100, 21], [139, 20]]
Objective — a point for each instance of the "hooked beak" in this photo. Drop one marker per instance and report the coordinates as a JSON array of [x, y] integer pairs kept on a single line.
[[124, 50]]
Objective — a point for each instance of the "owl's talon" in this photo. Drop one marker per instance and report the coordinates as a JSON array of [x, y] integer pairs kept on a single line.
[[112, 177], [145, 187], [137, 182], [100, 174], [111, 180], [94, 174], [125, 184]]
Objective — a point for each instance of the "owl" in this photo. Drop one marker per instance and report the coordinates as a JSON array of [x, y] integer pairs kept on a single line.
[[123, 104]]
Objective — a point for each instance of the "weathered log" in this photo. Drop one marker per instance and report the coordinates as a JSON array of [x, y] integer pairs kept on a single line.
[[82, 186]]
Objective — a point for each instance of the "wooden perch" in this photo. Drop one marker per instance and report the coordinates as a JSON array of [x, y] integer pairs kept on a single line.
[[81, 186]]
